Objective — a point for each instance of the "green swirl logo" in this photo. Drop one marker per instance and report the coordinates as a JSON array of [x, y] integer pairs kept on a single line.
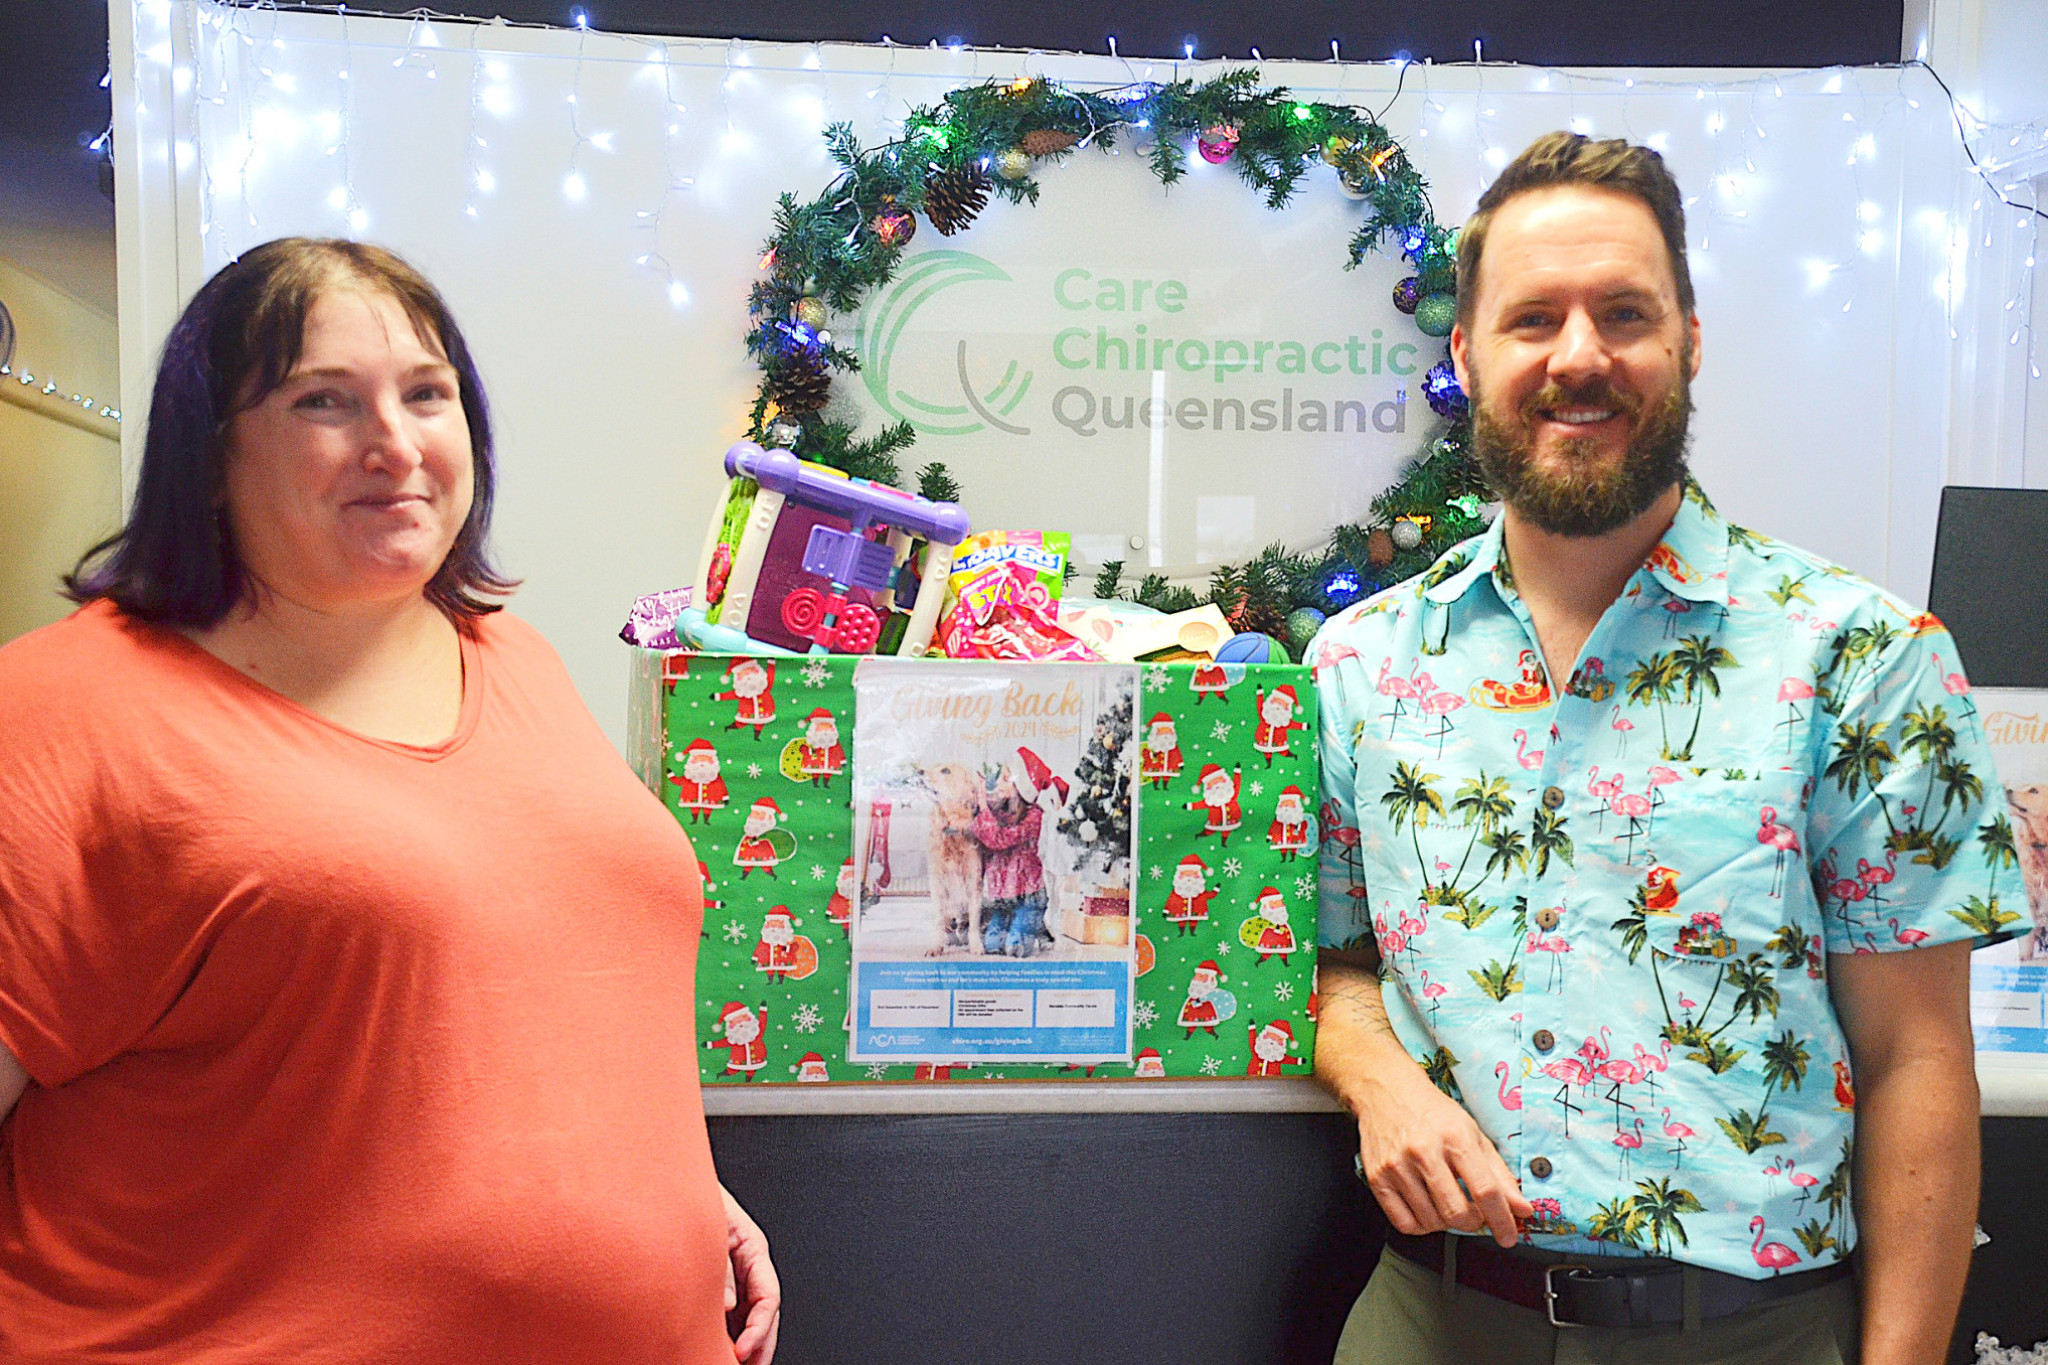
[[882, 323]]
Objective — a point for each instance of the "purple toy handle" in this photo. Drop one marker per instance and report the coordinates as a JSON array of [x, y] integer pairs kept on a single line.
[[859, 501]]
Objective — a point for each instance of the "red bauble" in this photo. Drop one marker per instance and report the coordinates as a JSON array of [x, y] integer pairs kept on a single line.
[[1216, 143]]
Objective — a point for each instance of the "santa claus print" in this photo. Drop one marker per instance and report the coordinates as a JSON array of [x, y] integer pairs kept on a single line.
[[1159, 762], [763, 843], [820, 757], [775, 954], [811, 1069], [707, 886], [1267, 932], [1288, 834], [753, 688], [1276, 719], [675, 666], [1217, 794], [1207, 1003], [745, 1040], [840, 908], [1149, 1066], [1270, 1046], [1210, 679], [1187, 905], [699, 788]]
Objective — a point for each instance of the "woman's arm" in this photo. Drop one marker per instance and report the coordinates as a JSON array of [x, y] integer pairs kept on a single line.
[[13, 1080]]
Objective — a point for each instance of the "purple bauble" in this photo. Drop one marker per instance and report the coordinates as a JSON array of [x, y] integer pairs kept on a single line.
[[1440, 387], [1217, 143], [1407, 294]]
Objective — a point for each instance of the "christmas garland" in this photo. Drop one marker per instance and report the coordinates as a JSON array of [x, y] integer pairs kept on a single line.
[[825, 255]]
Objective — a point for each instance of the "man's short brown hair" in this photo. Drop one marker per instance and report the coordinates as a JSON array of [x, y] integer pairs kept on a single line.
[[1571, 159]]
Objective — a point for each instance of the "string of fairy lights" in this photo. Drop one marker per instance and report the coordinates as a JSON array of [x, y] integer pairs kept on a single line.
[[1733, 115]]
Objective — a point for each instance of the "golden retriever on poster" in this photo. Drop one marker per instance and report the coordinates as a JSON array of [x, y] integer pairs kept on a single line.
[[2029, 806], [954, 855]]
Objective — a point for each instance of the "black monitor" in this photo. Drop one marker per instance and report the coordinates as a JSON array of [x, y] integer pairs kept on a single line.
[[1990, 585]]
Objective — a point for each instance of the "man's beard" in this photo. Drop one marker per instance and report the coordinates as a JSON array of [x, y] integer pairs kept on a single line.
[[1585, 499]]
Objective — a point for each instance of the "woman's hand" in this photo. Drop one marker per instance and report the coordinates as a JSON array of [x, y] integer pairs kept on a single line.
[[753, 1296]]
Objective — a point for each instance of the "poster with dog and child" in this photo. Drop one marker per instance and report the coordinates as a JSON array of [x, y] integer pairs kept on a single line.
[[2009, 981], [993, 811]]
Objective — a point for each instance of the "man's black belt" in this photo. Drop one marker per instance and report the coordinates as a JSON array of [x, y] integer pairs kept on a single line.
[[1604, 1291]]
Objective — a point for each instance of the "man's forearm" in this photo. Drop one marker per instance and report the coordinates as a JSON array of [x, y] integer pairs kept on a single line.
[[1355, 1042], [1916, 1183]]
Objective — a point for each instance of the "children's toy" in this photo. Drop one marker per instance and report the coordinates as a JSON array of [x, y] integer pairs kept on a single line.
[[802, 559], [1250, 647], [1118, 637]]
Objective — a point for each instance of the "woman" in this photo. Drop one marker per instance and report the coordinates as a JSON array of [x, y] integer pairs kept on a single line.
[[345, 970]]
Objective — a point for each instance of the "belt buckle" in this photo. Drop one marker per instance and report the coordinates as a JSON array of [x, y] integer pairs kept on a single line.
[[1550, 1291]]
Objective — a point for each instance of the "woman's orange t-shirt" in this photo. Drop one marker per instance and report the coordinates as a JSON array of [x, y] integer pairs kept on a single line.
[[343, 1050]]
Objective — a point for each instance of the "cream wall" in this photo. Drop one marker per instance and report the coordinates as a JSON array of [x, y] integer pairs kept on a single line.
[[60, 485]]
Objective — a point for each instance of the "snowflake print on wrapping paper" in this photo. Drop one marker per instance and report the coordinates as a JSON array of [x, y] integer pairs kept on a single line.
[[1155, 872], [1220, 732], [753, 770], [817, 873], [735, 932], [817, 673], [807, 1018], [878, 1072], [1232, 867], [1305, 885], [1156, 679], [1256, 788], [1210, 1066], [1145, 1013], [1223, 947], [1283, 990]]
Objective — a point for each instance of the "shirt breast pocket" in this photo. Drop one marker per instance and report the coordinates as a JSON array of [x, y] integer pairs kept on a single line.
[[1727, 877]]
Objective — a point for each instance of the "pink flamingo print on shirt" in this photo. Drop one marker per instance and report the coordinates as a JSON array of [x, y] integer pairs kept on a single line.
[[1792, 691], [1678, 1133], [1912, 938], [1804, 1182], [1621, 725], [1654, 1062], [1510, 1100], [1772, 1256], [1437, 706], [1530, 761], [1875, 877], [1622, 1071], [1771, 1174], [1432, 991], [1604, 793], [1630, 1143], [1400, 689], [1956, 685], [1634, 807], [1568, 1072], [1659, 778], [1784, 839], [1555, 945]]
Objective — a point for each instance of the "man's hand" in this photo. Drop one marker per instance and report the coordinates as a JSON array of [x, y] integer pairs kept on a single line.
[[1422, 1155], [1419, 1147], [753, 1296]]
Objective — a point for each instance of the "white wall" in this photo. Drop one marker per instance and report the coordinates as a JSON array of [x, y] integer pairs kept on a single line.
[[1828, 233], [60, 464]]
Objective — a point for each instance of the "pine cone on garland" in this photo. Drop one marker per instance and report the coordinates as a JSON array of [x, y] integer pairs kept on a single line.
[[1047, 141], [800, 383], [953, 198]]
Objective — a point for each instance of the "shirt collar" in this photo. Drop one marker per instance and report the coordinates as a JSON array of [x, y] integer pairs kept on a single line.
[[1691, 561]]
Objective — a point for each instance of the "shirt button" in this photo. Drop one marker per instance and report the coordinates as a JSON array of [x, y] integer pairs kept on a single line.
[[1543, 1040], [1553, 797], [1539, 1166]]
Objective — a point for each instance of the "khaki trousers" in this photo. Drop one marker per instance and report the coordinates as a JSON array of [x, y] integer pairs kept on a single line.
[[1408, 1316]]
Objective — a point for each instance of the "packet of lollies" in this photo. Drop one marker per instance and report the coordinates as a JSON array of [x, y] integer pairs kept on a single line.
[[1006, 614], [974, 583]]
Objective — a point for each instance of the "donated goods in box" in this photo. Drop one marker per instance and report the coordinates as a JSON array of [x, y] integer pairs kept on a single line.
[[1175, 857]]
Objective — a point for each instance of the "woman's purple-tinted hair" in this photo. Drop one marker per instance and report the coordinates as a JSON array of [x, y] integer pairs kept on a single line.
[[175, 561]]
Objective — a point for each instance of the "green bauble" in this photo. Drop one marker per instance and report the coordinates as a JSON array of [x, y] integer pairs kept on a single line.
[[1302, 624], [1436, 314]]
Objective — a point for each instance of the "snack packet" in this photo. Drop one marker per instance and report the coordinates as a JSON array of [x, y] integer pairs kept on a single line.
[[1044, 553], [1006, 614]]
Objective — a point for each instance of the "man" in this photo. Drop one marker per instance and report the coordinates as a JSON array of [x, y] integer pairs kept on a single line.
[[1640, 1126]]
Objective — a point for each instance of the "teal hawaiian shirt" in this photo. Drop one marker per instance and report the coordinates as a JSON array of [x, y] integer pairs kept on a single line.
[[1604, 917]]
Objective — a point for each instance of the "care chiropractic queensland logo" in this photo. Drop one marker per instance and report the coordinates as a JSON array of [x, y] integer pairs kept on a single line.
[[883, 322], [1118, 342]]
